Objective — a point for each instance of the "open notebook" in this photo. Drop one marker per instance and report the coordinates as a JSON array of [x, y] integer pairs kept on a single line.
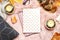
[[31, 20]]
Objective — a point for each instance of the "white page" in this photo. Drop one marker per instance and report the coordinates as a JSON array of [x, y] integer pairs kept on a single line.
[[31, 20]]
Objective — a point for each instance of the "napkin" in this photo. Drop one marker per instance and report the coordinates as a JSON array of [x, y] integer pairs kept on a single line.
[[6, 31]]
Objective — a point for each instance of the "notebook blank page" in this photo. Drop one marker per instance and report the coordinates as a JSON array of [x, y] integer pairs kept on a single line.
[[31, 20]]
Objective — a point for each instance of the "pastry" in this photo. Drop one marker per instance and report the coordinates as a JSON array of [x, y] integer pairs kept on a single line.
[[19, 1], [56, 36], [48, 5], [57, 2], [0, 0], [13, 20], [12, 2], [16, 1]]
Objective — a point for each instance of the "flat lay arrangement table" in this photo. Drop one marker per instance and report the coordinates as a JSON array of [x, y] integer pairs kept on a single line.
[[45, 34]]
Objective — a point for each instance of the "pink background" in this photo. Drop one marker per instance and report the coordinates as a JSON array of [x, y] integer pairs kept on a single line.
[[44, 34]]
